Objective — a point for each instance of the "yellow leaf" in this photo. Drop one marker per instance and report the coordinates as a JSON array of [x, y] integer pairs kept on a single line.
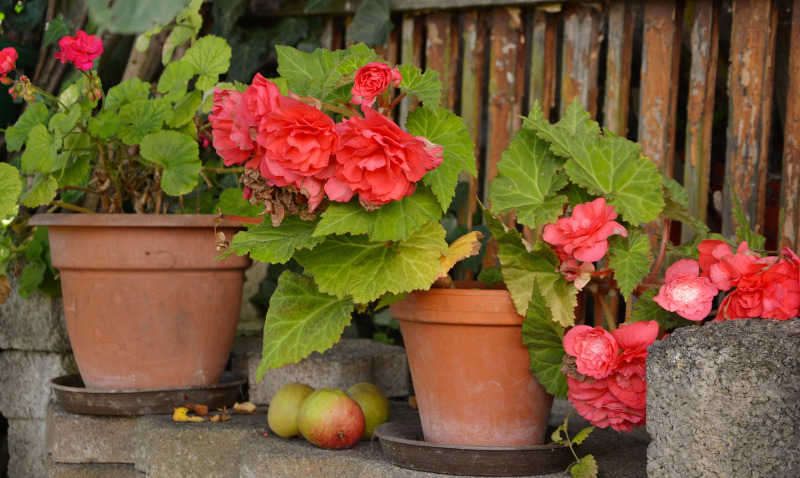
[[180, 415], [463, 247]]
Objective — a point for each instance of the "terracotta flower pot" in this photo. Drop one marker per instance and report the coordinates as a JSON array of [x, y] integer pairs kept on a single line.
[[470, 369], [146, 303]]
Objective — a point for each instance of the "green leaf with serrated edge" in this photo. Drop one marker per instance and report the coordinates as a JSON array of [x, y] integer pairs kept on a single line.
[[299, 68], [74, 171], [42, 191], [343, 74], [528, 177], [630, 258], [394, 221], [177, 37], [126, 92], [371, 24], [105, 125], [543, 338], [40, 150], [180, 157], [582, 435], [71, 95], [210, 56], [56, 29], [353, 266], [426, 87], [230, 202], [577, 195], [743, 232], [16, 135], [444, 128], [490, 275], [676, 206], [522, 268], [185, 109], [142, 117], [576, 121], [585, 468], [300, 320], [64, 122], [10, 187], [388, 299], [645, 308], [275, 245], [174, 80], [556, 436]]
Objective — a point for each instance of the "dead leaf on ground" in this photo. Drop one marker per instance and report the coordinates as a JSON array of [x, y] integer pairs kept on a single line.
[[181, 414], [246, 407]]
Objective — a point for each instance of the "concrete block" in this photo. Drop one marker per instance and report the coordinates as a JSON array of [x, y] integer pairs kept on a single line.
[[169, 449], [97, 470], [74, 438], [26, 448], [36, 323], [24, 379], [348, 362]]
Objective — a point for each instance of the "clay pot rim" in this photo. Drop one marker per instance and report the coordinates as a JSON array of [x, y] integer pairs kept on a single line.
[[129, 220], [479, 306]]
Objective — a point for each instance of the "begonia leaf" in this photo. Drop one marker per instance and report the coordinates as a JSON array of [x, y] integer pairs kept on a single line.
[[42, 191], [528, 177], [210, 56], [180, 157], [645, 308], [354, 266], [231, 202], [275, 245], [304, 72], [676, 206], [465, 246], [16, 135], [630, 258], [426, 87], [142, 117], [10, 187], [576, 121], [41, 150], [301, 320], [543, 337]]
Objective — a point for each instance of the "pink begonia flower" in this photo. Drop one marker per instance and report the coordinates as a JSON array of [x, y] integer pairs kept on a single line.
[[595, 402], [595, 350], [685, 292], [710, 252], [8, 61], [721, 265], [229, 128], [81, 50], [578, 274], [371, 80], [629, 389], [633, 339], [584, 235]]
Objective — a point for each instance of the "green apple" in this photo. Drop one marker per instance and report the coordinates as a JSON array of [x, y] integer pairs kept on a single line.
[[330, 419], [284, 406], [373, 403]]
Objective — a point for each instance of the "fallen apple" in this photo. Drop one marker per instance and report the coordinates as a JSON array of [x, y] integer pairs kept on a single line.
[[373, 403], [330, 419], [284, 406]]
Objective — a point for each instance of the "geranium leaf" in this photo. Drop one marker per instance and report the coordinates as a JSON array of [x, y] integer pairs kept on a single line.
[[75, 170], [426, 87], [528, 176], [142, 117], [55, 30], [62, 122], [180, 157], [394, 221], [523, 268], [16, 135], [177, 37], [444, 128], [105, 124], [301, 320], [10, 187], [185, 109], [210, 56], [275, 245], [544, 337], [126, 92], [630, 258], [353, 266], [41, 150], [42, 191], [174, 79]]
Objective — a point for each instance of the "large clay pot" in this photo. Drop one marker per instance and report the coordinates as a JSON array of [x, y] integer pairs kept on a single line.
[[470, 370], [147, 304]]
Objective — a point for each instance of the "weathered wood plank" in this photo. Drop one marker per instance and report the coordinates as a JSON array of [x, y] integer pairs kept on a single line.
[[339, 7], [621, 18], [790, 179], [580, 56], [441, 53], [700, 110], [659, 81], [753, 34], [411, 42], [544, 51]]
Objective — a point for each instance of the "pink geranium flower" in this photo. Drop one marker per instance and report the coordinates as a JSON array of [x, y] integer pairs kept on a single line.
[[685, 292], [371, 80], [594, 348], [8, 60], [584, 235], [81, 50]]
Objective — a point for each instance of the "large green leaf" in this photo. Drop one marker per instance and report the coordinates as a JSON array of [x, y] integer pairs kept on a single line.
[[10, 187], [105, 125], [142, 117], [40, 150], [300, 320], [444, 128], [300, 69], [132, 17], [275, 245], [185, 109], [426, 87], [576, 121], [676, 206], [180, 157], [63, 122], [372, 23], [528, 176], [394, 221], [630, 258], [544, 337], [231, 202], [74, 171], [126, 92], [524, 268], [174, 80], [42, 191], [353, 266], [16, 135], [210, 56]]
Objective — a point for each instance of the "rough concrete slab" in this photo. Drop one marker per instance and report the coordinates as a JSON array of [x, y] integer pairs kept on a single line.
[[36, 323], [73, 438], [26, 447], [346, 363], [24, 379], [97, 470]]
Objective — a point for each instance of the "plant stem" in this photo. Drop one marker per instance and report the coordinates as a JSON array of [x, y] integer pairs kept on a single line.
[[211, 169], [661, 251], [396, 100], [64, 205]]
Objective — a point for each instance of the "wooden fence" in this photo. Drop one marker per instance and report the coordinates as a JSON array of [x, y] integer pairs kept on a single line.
[[708, 87]]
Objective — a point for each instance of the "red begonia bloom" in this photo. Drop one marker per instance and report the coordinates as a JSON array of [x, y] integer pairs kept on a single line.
[[371, 80], [633, 339], [584, 235], [594, 348], [685, 292], [8, 60], [81, 50], [595, 402], [230, 127]]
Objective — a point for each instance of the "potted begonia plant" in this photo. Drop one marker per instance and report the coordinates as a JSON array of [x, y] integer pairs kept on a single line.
[[147, 304]]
